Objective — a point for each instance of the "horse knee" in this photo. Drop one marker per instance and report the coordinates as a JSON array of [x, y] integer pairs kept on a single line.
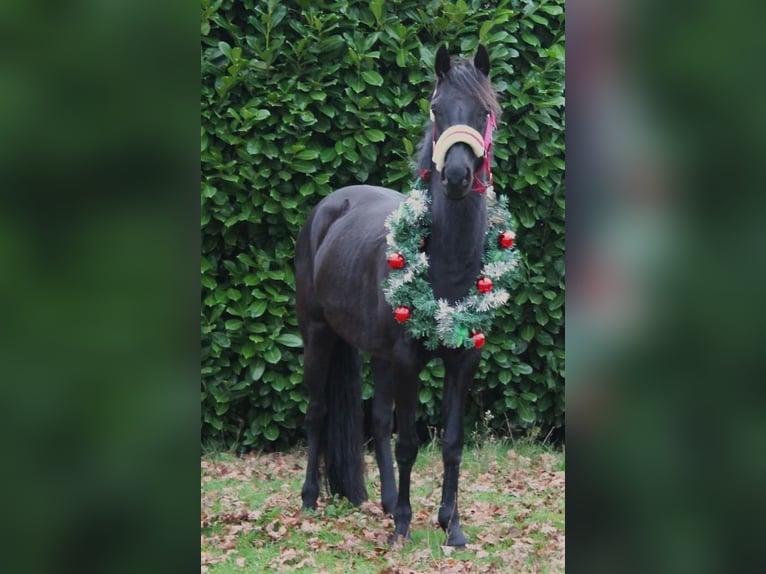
[[452, 456], [381, 422], [406, 452]]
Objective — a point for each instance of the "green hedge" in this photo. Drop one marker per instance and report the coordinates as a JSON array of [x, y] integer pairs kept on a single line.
[[302, 97]]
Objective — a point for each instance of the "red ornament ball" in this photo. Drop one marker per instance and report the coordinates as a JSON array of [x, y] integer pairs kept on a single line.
[[478, 340], [396, 261], [484, 285], [401, 314], [506, 239]]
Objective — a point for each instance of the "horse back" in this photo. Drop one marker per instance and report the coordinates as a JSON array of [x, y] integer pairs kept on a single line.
[[341, 262]]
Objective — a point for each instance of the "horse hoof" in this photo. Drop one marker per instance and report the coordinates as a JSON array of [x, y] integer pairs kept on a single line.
[[398, 540], [457, 539]]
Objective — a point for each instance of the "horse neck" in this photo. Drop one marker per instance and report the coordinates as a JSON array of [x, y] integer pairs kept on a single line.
[[456, 242]]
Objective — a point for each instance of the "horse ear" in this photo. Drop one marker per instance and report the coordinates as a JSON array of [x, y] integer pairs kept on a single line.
[[481, 60], [442, 63]]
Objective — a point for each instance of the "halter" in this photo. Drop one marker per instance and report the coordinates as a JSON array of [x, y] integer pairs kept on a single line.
[[481, 147]]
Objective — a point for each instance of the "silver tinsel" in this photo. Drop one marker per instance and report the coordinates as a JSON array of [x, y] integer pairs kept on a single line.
[[498, 268]]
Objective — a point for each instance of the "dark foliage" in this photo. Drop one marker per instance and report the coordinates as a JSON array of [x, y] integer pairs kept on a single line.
[[302, 97]]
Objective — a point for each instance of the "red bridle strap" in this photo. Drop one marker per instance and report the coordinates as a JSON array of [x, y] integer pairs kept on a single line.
[[478, 184]]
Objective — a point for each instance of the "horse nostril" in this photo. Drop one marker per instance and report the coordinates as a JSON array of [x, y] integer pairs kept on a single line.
[[456, 176]]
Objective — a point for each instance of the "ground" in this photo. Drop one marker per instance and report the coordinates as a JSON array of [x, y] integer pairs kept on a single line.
[[511, 501]]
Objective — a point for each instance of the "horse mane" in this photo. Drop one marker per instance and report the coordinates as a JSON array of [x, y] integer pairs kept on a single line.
[[466, 78]]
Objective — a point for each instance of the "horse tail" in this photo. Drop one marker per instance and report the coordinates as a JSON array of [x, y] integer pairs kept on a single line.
[[343, 451]]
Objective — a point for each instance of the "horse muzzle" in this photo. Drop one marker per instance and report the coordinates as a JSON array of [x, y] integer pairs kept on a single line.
[[457, 169], [457, 173]]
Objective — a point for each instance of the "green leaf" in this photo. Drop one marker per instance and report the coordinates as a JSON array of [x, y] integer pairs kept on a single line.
[[552, 10], [257, 309], [216, 423], [225, 49], [530, 39], [257, 371], [372, 77], [289, 340], [247, 260], [327, 154], [375, 135], [272, 355], [556, 303], [526, 219], [258, 115], [376, 7], [307, 188], [523, 369], [527, 396], [525, 413], [221, 408], [248, 351], [208, 191], [527, 332], [221, 339], [484, 30], [556, 52], [307, 154], [544, 338], [271, 432]]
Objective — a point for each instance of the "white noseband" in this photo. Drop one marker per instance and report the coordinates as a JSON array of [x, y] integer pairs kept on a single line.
[[457, 134]]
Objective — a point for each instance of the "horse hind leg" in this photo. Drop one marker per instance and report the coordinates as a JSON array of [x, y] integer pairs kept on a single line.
[[405, 387], [318, 343], [382, 423]]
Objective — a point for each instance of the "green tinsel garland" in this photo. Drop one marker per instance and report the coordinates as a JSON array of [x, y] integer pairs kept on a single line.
[[435, 321]]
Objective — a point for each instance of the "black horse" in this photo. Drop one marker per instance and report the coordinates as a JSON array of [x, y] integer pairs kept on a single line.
[[340, 264]]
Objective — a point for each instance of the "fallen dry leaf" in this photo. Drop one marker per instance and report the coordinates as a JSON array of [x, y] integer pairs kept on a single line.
[[498, 500]]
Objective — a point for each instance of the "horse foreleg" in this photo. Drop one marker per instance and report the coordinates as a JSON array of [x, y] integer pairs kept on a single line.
[[318, 344], [382, 421], [406, 449], [457, 381]]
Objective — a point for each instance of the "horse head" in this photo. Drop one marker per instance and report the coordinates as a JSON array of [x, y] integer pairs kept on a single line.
[[463, 110]]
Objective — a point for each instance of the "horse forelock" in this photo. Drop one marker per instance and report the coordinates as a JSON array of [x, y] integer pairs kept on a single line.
[[464, 77]]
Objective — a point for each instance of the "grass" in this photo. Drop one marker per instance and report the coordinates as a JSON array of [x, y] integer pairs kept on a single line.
[[511, 500]]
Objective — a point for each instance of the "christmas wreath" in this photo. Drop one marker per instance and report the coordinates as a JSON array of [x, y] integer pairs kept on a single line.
[[406, 287]]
